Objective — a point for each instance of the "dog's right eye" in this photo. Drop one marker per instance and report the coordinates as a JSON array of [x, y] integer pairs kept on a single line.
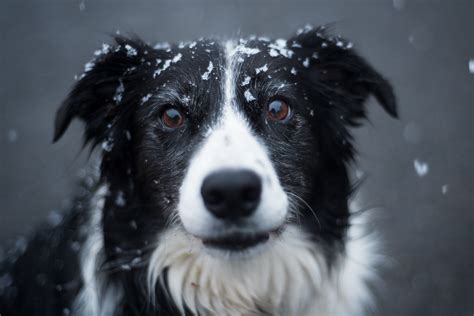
[[172, 118], [278, 110]]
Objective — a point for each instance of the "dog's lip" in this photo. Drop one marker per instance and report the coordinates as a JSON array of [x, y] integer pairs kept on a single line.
[[236, 241], [239, 241]]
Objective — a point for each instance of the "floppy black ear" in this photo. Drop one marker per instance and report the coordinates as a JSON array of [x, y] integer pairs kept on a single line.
[[100, 95], [336, 66]]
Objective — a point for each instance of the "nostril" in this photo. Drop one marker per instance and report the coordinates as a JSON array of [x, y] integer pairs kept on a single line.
[[251, 193], [231, 193], [214, 197]]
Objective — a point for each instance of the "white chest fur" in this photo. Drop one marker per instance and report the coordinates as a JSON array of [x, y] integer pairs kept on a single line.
[[289, 278]]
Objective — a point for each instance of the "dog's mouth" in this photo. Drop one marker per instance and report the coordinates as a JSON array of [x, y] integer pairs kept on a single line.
[[237, 241]]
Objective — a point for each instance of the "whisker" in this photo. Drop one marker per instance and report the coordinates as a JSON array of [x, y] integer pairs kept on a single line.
[[308, 206]]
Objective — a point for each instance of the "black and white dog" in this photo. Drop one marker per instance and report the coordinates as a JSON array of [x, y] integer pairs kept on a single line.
[[223, 186]]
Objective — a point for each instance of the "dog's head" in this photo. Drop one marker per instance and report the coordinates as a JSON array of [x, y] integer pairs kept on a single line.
[[229, 142]]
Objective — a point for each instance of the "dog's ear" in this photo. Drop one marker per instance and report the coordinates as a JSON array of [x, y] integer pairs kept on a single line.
[[336, 67], [99, 98]]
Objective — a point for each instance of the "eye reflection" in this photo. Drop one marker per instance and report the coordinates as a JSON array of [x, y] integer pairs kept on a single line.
[[172, 118], [278, 110]]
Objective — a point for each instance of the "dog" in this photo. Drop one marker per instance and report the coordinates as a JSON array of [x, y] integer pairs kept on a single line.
[[223, 186]]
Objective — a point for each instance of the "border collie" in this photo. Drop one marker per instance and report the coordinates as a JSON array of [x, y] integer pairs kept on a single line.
[[223, 186]]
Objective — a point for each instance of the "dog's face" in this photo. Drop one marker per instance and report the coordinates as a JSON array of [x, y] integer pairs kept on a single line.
[[229, 142]]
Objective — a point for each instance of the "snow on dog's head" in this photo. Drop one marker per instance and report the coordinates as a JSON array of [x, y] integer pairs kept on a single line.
[[231, 196], [221, 153]]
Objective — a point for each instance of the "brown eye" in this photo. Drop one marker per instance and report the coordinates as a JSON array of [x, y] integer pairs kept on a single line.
[[172, 118], [278, 110]]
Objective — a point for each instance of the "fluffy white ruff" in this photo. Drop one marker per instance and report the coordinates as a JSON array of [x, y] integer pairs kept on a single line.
[[290, 278]]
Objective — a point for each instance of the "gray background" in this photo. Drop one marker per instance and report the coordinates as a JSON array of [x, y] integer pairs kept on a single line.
[[422, 46]]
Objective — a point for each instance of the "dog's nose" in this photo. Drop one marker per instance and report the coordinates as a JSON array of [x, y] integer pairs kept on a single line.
[[231, 194]]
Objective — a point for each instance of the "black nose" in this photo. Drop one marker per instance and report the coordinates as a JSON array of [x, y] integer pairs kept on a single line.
[[231, 194]]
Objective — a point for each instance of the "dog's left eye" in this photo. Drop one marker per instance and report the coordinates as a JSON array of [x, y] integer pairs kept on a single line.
[[278, 110], [172, 118]]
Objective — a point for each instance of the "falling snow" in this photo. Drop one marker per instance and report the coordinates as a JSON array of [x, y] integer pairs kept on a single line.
[[146, 98], [293, 71], [75, 246], [165, 66], [5, 281], [205, 76], [107, 145], [120, 199], [12, 135], [119, 92], [126, 267], [421, 168], [264, 68], [55, 218], [89, 66], [241, 49], [306, 29], [279, 47], [186, 99], [176, 58], [21, 244], [399, 4], [306, 62], [133, 224], [471, 65], [162, 45], [130, 51], [248, 96], [246, 81], [359, 174], [273, 52], [136, 261], [296, 45], [104, 50], [444, 189]]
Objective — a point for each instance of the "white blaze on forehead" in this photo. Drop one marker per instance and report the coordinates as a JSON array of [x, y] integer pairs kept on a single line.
[[229, 82]]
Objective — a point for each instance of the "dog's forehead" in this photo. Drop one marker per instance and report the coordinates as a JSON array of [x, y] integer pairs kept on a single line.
[[208, 59], [209, 73], [195, 60]]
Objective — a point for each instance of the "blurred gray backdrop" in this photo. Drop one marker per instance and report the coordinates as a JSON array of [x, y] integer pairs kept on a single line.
[[425, 218]]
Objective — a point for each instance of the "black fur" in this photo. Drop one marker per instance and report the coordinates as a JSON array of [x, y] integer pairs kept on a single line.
[[144, 163]]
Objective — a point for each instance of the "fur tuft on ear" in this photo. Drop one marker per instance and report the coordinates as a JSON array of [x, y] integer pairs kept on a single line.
[[101, 92], [335, 64]]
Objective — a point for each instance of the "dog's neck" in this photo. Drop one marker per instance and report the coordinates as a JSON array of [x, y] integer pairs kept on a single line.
[[289, 278]]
